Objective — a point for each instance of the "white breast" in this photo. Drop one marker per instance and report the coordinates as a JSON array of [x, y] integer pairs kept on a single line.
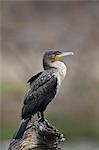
[[61, 71]]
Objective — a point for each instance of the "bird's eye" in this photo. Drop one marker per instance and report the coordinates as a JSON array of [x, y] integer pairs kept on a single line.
[[58, 53]]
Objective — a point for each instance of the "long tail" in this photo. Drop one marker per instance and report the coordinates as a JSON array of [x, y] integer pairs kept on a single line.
[[21, 129]]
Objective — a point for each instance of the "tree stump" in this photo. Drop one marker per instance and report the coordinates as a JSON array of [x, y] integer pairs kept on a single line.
[[38, 136]]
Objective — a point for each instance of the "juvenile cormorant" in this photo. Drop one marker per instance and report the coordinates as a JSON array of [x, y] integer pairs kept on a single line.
[[43, 88]]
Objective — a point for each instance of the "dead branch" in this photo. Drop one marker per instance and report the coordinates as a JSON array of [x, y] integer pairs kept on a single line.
[[38, 136]]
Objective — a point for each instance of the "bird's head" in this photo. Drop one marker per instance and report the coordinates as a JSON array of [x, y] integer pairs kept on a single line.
[[51, 57]]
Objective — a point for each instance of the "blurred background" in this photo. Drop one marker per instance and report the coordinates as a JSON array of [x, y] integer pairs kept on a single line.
[[28, 29]]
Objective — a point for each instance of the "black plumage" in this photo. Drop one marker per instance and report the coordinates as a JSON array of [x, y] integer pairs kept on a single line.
[[42, 90]]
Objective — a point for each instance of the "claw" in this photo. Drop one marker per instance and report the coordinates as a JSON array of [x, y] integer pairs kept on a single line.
[[47, 124]]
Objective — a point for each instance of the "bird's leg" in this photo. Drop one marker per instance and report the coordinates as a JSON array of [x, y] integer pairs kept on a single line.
[[38, 115], [42, 117], [45, 121]]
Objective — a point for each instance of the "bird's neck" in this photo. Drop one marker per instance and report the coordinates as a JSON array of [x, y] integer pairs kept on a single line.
[[59, 66], [61, 69]]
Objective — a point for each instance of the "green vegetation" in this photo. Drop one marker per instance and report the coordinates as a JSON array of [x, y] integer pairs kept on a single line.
[[74, 129], [7, 131], [10, 89]]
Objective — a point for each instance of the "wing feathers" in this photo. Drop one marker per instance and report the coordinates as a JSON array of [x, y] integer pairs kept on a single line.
[[34, 78], [42, 90]]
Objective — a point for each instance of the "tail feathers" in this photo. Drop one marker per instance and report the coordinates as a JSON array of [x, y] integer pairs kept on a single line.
[[22, 127]]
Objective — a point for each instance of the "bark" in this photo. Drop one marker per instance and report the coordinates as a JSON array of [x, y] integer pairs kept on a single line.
[[38, 136]]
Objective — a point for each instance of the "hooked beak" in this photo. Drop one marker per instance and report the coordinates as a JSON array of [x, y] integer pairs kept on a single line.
[[58, 57], [66, 54]]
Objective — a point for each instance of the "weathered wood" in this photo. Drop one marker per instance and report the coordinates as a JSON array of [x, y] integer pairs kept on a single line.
[[38, 136]]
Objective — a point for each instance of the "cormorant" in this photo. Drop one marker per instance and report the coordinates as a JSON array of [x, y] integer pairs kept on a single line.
[[43, 88]]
